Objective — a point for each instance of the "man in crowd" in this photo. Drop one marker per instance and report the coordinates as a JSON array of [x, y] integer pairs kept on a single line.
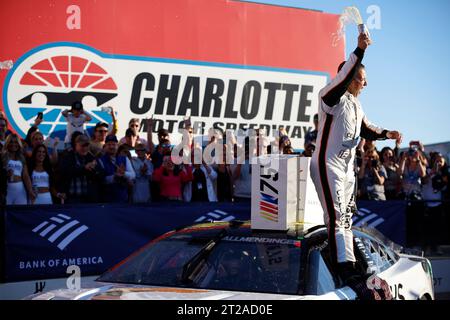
[[118, 172], [79, 174]]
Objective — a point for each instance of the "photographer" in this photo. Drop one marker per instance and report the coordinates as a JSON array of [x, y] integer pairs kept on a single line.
[[372, 176], [413, 171], [393, 183]]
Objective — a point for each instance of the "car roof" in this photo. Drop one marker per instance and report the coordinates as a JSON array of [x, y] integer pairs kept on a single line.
[[238, 228]]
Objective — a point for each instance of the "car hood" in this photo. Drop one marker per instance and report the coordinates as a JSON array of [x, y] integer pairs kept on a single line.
[[109, 291]]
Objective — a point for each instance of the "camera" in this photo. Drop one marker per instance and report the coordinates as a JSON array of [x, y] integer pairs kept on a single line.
[[358, 162], [412, 151], [374, 163]]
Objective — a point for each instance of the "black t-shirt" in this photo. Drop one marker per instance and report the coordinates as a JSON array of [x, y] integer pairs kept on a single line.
[[199, 187]]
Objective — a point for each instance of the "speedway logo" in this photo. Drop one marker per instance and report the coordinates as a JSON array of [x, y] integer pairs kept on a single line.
[[61, 230], [49, 81], [216, 95]]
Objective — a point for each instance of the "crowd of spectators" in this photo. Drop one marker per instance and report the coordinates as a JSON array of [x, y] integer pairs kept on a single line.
[[134, 169], [412, 174]]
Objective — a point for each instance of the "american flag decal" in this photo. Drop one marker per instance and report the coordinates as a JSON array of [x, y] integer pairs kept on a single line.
[[268, 207]]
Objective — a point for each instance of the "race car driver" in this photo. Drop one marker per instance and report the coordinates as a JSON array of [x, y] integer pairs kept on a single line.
[[341, 123]]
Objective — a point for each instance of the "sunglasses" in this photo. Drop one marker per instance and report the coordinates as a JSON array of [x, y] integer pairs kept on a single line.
[[102, 131]]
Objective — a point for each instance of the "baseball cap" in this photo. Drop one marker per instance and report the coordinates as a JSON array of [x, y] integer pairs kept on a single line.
[[82, 139], [111, 138], [101, 124], [77, 105]]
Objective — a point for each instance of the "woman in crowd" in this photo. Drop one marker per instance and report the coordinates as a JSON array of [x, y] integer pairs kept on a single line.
[[170, 178], [372, 176], [36, 139], [19, 183], [42, 176], [413, 171], [393, 182]]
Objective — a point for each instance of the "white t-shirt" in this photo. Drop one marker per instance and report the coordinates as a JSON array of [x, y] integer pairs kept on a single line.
[[16, 166], [74, 124], [40, 179]]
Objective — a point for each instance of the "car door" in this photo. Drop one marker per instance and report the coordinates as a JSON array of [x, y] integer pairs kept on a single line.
[[406, 277]]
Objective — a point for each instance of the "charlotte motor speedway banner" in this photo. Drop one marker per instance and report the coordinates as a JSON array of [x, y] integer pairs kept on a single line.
[[227, 64], [40, 242]]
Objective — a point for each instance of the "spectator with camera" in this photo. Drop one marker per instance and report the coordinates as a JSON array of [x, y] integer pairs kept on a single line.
[[118, 172], [79, 175], [434, 183], [413, 170], [164, 146], [393, 182], [372, 176]]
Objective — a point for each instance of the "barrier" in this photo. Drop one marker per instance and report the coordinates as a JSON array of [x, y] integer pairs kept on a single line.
[[41, 241]]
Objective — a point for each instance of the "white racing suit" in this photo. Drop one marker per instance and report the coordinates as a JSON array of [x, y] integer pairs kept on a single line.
[[341, 123]]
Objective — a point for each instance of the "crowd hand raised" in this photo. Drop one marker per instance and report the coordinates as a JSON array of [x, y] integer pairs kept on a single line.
[[150, 122], [37, 121]]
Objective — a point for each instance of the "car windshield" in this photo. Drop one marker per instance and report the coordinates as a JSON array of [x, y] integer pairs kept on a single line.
[[252, 264]]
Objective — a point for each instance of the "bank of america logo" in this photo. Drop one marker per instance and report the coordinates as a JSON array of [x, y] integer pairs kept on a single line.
[[60, 229], [366, 217], [268, 207], [216, 215]]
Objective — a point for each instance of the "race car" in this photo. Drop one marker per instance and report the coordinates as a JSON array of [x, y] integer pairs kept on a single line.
[[230, 260]]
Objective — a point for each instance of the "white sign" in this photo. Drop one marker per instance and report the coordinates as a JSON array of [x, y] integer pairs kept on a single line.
[[223, 96], [283, 193]]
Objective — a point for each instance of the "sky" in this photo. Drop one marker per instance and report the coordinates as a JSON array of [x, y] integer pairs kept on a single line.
[[408, 64]]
